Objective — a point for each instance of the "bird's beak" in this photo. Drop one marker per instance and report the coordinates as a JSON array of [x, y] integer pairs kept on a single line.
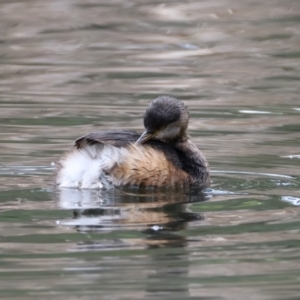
[[146, 136]]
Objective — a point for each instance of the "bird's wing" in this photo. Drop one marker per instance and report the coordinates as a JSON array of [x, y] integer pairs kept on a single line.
[[124, 138], [114, 138]]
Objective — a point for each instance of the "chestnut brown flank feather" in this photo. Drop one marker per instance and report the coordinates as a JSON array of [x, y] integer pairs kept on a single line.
[[147, 166]]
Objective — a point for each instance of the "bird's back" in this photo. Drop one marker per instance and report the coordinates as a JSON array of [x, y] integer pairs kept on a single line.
[[112, 158]]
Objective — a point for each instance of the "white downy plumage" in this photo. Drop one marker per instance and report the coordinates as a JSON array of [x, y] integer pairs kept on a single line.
[[84, 168]]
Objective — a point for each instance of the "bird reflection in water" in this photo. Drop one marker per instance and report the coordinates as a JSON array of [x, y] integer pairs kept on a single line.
[[158, 213]]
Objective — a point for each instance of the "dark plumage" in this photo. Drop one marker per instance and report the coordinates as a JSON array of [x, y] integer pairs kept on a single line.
[[161, 112], [162, 156]]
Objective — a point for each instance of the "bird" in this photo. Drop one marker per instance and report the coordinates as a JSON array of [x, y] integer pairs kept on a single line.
[[162, 156]]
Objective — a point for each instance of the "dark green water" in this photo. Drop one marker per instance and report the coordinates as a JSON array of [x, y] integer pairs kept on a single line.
[[71, 67]]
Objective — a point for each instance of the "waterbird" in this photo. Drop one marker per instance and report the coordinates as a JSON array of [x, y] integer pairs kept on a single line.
[[163, 156]]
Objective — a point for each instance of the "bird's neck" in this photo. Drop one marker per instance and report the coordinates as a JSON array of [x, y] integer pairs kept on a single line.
[[178, 140], [193, 161]]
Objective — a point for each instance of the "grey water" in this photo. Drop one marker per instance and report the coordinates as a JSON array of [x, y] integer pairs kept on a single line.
[[71, 67]]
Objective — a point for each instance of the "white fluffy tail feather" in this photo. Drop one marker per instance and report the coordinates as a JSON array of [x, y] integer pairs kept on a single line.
[[83, 168]]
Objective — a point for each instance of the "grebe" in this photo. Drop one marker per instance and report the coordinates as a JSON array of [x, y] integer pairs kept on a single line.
[[163, 156]]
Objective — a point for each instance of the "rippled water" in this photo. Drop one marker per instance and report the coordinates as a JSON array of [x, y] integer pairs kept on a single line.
[[72, 67]]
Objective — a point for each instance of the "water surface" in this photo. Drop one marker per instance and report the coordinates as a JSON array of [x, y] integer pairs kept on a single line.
[[72, 67]]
